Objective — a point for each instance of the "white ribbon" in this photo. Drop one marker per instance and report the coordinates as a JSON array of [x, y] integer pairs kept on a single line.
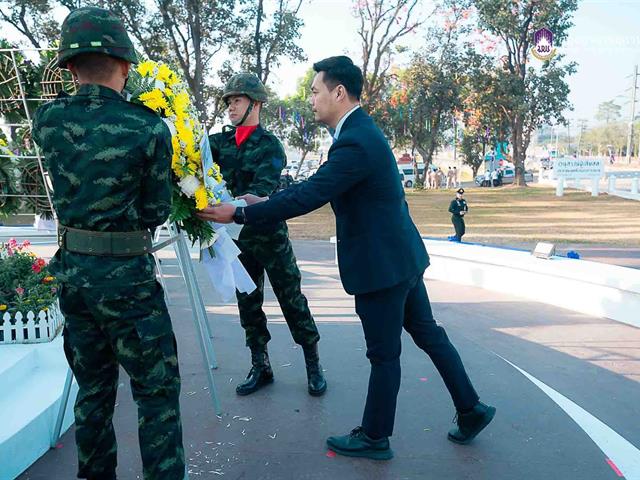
[[225, 270]]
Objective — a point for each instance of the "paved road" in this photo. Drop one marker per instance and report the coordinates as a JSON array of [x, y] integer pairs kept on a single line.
[[279, 433]]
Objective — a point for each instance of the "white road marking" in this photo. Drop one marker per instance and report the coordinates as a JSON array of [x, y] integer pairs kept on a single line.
[[624, 454]]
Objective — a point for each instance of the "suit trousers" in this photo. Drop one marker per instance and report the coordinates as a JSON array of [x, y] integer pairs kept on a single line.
[[383, 315]]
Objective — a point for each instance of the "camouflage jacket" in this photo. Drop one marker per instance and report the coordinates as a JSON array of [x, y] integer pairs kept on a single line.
[[255, 168], [110, 164]]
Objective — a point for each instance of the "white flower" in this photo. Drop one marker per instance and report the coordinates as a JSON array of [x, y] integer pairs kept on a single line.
[[159, 84], [189, 185]]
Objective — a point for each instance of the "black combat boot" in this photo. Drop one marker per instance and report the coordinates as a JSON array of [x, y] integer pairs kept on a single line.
[[260, 373], [317, 383], [471, 423]]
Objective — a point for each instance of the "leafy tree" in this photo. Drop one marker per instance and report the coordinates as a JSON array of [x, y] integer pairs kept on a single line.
[[484, 120], [608, 112], [532, 97], [187, 34], [383, 23], [293, 119], [266, 42], [607, 139], [33, 19], [426, 95]]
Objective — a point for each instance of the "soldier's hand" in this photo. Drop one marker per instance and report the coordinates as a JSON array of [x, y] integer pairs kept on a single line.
[[252, 199], [221, 213]]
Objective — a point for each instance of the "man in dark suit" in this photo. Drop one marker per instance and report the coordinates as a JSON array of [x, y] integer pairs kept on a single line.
[[360, 179]]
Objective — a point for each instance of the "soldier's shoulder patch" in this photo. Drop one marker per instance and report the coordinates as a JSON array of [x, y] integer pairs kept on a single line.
[[277, 162]]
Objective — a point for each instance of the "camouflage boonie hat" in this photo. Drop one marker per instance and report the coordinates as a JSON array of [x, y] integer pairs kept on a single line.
[[93, 29], [245, 84]]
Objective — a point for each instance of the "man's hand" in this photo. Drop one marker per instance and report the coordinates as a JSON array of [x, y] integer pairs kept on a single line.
[[222, 213], [252, 199]]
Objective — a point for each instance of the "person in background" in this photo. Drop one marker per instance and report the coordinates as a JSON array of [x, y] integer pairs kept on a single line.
[[458, 208]]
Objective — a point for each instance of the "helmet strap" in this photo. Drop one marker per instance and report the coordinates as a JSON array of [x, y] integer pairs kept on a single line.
[[247, 113]]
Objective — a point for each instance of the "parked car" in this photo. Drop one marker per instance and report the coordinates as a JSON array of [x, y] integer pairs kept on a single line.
[[407, 175], [508, 177]]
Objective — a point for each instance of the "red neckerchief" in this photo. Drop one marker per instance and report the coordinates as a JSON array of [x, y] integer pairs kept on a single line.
[[243, 132]]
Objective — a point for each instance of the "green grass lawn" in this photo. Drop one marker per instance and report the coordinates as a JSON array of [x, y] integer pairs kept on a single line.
[[510, 216]]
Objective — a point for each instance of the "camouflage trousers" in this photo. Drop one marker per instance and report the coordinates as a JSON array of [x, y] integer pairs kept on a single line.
[[273, 253], [128, 326]]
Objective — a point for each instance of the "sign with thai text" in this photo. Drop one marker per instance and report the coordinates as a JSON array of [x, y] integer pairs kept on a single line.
[[570, 167]]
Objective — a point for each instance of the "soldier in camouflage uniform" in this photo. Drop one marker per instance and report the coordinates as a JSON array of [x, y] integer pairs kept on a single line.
[[109, 161], [251, 160]]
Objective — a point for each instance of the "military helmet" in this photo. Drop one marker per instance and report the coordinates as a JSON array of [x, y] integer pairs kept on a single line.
[[245, 84], [93, 29]]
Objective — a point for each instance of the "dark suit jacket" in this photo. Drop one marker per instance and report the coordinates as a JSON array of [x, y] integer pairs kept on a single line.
[[378, 244]]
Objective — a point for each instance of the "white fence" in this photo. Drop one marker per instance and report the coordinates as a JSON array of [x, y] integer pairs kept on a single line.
[[31, 327], [633, 176]]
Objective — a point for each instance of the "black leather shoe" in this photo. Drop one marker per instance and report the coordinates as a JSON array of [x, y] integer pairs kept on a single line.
[[358, 444], [316, 381], [260, 373], [103, 476], [471, 423]]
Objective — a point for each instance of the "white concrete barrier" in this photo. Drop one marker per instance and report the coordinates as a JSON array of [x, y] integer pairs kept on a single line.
[[31, 383], [632, 192], [591, 288]]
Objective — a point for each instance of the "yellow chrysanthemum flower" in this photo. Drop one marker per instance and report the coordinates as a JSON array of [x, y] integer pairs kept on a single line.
[[3, 308], [146, 68], [201, 197], [2, 142], [175, 159], [166, 75], [181, 103], [154, 100]]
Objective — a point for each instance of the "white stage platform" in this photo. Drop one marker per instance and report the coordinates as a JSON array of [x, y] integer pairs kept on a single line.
[[31, 383]]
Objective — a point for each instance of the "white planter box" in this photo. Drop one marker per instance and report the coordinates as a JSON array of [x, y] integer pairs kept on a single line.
[[31, 327]]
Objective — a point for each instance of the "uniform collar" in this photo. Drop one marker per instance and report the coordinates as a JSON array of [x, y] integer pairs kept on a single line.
[[230, 130], [94, 90]]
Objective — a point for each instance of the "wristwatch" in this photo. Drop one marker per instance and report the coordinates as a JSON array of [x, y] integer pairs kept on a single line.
[[239, 216]]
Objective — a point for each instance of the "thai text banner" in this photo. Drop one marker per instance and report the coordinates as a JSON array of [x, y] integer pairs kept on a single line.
[[578, 167]]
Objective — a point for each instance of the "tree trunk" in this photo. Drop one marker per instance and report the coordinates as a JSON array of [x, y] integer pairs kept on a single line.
[[426, 155], [304, 155], [518, 151]]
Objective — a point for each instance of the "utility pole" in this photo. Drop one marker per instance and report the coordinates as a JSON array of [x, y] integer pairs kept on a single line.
[[582, 126], [633, 114]]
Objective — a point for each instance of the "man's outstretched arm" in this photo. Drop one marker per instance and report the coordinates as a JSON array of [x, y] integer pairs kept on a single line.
[[347, 167]]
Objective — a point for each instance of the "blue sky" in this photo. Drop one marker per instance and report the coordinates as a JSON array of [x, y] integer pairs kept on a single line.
[[604, 41]]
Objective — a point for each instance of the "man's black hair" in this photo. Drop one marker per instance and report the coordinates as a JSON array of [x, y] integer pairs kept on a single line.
[[341, 71]]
